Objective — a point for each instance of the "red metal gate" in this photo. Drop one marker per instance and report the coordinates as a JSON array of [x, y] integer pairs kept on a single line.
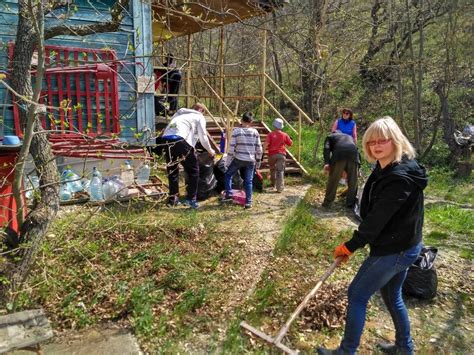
[[83, 82]]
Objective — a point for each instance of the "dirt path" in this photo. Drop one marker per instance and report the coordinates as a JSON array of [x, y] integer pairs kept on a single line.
[[272, 209], [267, 220]]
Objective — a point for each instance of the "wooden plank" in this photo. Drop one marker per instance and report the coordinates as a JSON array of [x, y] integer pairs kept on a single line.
[[78, 95], [22, 329]]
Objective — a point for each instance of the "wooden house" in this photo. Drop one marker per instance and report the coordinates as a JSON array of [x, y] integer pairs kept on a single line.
[[107, 78]]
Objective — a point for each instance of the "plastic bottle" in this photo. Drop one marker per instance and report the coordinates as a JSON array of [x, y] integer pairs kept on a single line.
[[120, 187], [72, 180], [86, 183], [109, 189], [65, 193], [97, 173], [143, 174], [127, 174], [95, 188]]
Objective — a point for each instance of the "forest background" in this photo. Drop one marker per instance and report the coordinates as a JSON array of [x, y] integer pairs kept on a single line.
[[411, 60]]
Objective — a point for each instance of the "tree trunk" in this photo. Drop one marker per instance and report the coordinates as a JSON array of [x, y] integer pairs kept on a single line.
[[30, 36], [276, 60], [448, 123], [38, 221]]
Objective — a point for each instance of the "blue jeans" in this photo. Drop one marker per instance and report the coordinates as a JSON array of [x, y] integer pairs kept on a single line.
[[384, 273], [248, 169]]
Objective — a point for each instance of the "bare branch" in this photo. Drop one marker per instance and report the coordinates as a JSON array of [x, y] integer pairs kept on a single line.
[[117, 15]]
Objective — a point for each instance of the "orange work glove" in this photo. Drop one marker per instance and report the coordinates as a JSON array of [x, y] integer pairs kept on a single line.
[[341, 250]]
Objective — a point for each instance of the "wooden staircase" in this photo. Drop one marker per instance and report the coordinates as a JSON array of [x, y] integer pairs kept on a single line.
[[293, 167]]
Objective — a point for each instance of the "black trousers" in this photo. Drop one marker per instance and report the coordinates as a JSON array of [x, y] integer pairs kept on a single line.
[[173, 83], [180, 152]]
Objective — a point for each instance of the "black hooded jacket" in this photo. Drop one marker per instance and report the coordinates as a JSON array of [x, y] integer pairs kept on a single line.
[[391, 209], [340, 146]]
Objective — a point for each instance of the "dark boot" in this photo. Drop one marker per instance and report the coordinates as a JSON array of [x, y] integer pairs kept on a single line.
[[392, 349], [324, 351]]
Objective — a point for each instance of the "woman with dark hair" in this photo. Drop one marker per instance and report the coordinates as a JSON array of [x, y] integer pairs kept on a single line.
[[346, 124]]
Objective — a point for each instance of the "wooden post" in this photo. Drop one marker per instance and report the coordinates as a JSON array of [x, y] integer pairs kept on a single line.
[[299, 137], [221, 71], [188, 71], [263, 70]]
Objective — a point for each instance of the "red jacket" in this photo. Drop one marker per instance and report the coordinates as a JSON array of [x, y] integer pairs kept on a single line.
[[276, 142]]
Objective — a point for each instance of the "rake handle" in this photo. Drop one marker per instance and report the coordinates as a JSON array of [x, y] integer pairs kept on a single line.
[[310, 295]]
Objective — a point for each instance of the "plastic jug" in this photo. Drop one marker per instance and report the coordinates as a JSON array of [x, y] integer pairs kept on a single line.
[[127, 174], [65, 194], [72, 180], [143, 174], [109, 188], [120, 187], [95, 188]]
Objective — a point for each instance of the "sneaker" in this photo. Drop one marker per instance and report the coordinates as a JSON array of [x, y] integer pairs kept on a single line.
[[248, 206], [227, 199], [324, 351], [172, 202], [192, 203], [326, 205]]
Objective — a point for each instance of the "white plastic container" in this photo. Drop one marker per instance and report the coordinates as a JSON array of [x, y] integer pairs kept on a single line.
[[143, 174], [127, 175], [95, 188]]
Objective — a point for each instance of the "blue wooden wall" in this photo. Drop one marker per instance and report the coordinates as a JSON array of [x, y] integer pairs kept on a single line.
[[134, 38]]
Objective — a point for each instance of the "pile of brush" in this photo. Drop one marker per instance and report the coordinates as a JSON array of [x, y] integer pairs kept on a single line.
[[327, 308]]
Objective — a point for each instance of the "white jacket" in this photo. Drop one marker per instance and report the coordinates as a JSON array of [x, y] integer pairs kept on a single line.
[[190, 125]]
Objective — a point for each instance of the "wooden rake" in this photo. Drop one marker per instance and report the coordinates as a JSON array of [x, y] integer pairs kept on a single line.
[[277, 340]]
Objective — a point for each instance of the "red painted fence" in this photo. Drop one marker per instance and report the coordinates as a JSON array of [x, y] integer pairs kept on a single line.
[[84, 83]]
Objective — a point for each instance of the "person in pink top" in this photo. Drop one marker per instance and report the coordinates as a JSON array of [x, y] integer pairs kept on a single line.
[[276, 143]]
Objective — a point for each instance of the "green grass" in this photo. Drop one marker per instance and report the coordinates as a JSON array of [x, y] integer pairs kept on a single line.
[[444, 185], [154, 268], [451, 219]]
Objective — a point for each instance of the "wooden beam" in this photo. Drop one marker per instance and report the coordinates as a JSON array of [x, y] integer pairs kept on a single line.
[[221, 70], [279, 114], [264, 68], [289, 99], [299, 136], [23, 329], [188, 70]]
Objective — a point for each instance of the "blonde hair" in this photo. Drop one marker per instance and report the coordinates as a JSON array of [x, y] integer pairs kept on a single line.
[[387, 128]]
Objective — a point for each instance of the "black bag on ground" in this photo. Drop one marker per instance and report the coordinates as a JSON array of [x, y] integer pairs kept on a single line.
[[422, 279], [207, 180], [258, 181], [219, 172]]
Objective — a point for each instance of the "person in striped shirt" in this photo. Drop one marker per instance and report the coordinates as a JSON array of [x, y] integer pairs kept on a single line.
[[245, 154]]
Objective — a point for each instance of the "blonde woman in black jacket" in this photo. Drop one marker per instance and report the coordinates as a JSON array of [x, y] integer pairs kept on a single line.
[[392, 219]]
